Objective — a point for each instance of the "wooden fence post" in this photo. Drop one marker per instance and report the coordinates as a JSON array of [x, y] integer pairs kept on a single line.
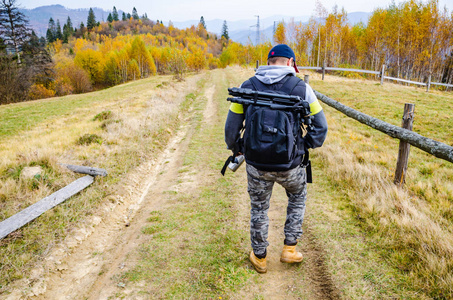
[[323, 69], [403, 153], [428, 85], [307, 78], [382, 74]]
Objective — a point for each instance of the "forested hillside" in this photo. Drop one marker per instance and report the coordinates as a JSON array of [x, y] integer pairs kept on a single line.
[[413, 39]]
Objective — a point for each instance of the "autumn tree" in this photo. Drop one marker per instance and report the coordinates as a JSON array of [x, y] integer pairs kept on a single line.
[[92, 62], [280, 33], [142, 57]]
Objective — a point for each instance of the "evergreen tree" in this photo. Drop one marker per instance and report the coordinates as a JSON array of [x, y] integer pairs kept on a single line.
[[145, 17], [58, 33], [225, 30], [110, 18], [135, 14], [91, 21], [128, 16], [13, 26], [2, 45], [69, 25], [123, 17], [202, 22], [29, 62], [51, 31], [115, 14], [67, 30]]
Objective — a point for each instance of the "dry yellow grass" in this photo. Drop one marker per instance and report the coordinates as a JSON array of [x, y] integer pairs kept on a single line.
[[410, 223], [143, 116]]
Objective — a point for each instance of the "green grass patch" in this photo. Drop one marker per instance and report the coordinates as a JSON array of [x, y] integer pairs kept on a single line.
[[18, 117], [203, 256]]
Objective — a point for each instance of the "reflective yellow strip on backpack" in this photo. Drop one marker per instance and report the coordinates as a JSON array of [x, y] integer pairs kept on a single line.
[[315, 107], [237, 108]]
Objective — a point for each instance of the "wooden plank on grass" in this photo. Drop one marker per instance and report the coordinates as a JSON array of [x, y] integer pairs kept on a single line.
[[33, 211], [86, 170]]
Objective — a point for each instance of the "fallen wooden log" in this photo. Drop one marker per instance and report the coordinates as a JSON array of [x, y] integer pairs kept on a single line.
[[86, 170]]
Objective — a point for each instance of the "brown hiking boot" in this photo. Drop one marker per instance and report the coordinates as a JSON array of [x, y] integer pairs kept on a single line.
[[290, 255], [258, 263]]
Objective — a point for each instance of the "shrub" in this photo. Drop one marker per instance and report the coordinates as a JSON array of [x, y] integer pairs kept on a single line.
[[107, 114], [39, 91], [88, 138]]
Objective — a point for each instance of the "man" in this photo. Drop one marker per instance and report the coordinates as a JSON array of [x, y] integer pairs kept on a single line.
[[280, 71]]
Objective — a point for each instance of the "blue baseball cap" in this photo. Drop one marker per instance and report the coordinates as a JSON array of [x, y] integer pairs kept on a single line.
[[283, 50]]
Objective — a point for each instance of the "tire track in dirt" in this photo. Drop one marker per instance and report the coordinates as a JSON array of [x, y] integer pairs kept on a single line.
[[105, 286], [320, 277], [100, 278]]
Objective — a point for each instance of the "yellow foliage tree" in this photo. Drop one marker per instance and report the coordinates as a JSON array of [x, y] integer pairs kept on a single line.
[[280, 33], [92, 62]]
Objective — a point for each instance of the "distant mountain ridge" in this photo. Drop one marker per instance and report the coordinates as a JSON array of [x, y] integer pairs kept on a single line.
[[241, 31], [244, 31], [39, 16]]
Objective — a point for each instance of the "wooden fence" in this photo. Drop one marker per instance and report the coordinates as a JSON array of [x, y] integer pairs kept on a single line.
[[381, 74], [438, 149]]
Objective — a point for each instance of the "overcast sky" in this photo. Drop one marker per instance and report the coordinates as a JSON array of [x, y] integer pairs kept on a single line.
[[230, 10]]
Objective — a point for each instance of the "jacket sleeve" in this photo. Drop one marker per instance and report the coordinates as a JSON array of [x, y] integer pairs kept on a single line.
[[316, 137], [233, 126], [235, 120]]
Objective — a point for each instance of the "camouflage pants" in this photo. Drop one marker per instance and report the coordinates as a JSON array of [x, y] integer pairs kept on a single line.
[[260, 184]]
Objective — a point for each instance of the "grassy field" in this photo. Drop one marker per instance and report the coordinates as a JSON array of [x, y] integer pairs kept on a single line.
[[141, 117], [411, 226], [378, 241]]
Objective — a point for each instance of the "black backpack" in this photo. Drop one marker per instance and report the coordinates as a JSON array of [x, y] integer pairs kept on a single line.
[[272, 138]]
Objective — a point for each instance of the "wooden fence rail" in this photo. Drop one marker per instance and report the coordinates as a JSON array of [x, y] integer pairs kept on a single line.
[[431, 146], [427, 84]]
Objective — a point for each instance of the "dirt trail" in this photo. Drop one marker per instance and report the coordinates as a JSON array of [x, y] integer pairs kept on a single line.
[[309, 280], [101, 251]]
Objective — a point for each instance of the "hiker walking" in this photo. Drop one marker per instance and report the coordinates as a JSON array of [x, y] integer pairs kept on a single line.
[[264, 163]]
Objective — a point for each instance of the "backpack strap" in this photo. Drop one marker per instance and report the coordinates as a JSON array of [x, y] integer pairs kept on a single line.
[[290, 84], [306, 163], [257, 84], [287, 87]]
